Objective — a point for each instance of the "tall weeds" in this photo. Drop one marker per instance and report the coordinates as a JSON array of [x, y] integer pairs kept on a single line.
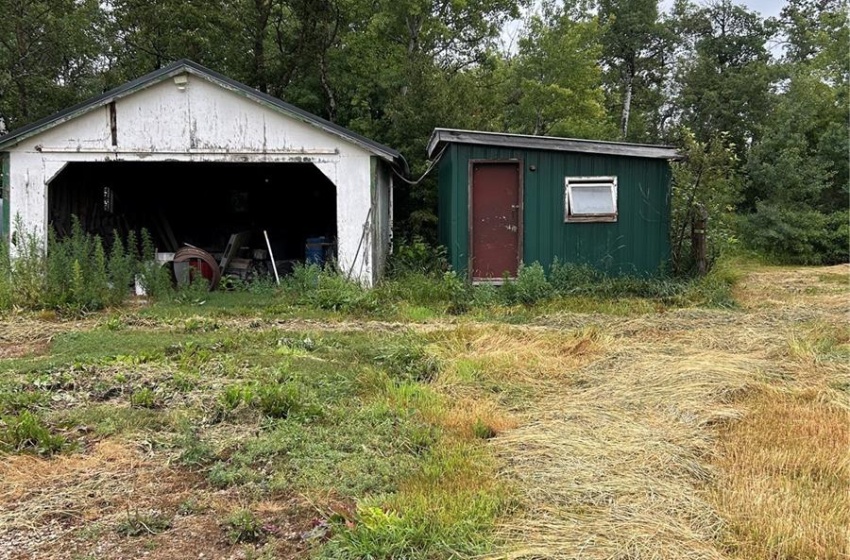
[[75, 274]]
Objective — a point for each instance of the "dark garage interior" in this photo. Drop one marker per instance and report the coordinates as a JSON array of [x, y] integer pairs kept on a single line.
[[201, 204]]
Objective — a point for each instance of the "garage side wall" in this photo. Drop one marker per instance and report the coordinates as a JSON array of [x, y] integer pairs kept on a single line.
[[382, 216]]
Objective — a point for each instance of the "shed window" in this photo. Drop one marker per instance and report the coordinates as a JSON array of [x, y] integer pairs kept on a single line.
[[590, 199]]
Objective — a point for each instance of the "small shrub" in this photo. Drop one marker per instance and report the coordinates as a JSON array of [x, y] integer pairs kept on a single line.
[[278, 400], [417, 257], [235, 395], [190, 506], [199, 324], [183, 382], [409, 362], [223, 475], [482, 430], [27, 271], [74, 275], [459, 293], [144, 398], [570, 278], [244, 527], [194, 290], [156, 281], [329, 290], [6, 284], [715, 288], [797, 236], [273, 398], [122, 270], [27, 432], [196, 452], [486, 295], [136, 524], [530, 287], [15, 401]]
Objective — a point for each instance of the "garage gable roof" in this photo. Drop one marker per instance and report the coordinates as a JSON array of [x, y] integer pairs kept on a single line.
[[443, 136], [190, 67]]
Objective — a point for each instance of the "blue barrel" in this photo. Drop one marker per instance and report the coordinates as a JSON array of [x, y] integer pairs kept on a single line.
[[315, 251]]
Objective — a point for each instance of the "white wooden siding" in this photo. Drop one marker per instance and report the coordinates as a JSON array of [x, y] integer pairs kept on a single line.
[[209, 123]]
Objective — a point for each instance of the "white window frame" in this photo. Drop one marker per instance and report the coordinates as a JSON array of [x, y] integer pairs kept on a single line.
[[571, 183]]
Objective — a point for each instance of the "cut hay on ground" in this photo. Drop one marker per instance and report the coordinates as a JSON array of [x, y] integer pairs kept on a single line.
[[78, 487], [611, 469], [619, 459]]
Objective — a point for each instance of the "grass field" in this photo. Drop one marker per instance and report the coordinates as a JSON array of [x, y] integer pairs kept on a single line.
[[243, 427]]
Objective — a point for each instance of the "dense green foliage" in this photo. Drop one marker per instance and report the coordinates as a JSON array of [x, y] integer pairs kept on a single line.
[[707, 77], [75, 274]]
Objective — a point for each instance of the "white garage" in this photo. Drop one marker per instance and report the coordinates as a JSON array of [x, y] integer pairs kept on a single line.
[[195, 157]]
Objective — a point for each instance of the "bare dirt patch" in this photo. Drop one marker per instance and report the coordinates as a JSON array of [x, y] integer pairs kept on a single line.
[[30, 335], [23, 349]]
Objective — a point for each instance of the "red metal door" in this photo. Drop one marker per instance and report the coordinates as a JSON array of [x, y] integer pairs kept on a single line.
[[496, 220]]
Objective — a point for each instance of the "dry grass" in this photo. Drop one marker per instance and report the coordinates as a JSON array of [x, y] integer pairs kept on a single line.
[[786, 477], [54, 508], [786, 483], [611, 467], [78, 486], [795, 287], [690, 434], [466, 416], [693, 434], [522, 355]]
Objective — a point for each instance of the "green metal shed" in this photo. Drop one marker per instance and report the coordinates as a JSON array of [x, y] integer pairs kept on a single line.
[[506, 199]]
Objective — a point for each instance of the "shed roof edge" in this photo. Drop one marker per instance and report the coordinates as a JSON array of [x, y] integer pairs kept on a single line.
[[460, 136]]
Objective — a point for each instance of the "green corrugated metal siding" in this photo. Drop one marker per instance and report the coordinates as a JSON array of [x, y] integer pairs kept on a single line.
[[637, 243], [5, 215], [446, 219]]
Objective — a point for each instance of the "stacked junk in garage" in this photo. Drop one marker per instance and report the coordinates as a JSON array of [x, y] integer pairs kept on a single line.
[[237, 223], [230, 183]]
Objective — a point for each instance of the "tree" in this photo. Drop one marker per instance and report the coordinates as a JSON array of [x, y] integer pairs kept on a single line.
[[555, 83], [724, 84], [810, 26], [150, 34], [49, 56], [634, 45], [403, 67], [706, 180], [799, 176], [801, 158]]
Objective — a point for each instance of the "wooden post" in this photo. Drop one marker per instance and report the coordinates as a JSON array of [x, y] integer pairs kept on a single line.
[[698, 243]]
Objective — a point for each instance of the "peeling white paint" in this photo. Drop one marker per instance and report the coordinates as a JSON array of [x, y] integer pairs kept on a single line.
[[208, 123]]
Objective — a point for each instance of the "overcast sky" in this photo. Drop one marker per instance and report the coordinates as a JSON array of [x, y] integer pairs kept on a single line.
[[767, 8]]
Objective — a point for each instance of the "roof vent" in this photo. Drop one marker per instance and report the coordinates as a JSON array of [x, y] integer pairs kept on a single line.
[[181, 81]]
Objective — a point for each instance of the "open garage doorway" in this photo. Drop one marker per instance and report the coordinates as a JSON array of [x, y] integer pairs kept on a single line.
[[203, 205]]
